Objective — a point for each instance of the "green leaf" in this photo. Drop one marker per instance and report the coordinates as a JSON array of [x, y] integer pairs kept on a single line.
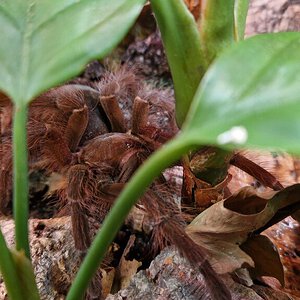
[[46, 42], [182, 44], [216, 26], [25, 275], [240, 16], [9, 272], [255, 86]]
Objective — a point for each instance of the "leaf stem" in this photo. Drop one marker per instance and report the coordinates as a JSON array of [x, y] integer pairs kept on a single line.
[[240, 16], [183, 49], [9, 272], [134, 189], [216, 27], [20, 195]]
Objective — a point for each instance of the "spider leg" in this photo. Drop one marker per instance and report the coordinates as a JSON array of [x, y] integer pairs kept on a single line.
[[140, 124], [55, 152], [5, 174], [57, 121], [76, 196], [169, 228], [71, 102], [76, 127], [5, 153], [140, 113], [80, 106], [114, 113], [129, 163], [109, 192], [259, 173]]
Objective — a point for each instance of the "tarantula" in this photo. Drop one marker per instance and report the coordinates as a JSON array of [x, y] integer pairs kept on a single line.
[[93, 139]]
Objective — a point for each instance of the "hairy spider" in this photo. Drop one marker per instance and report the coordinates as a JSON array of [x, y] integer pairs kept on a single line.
[[93, 140], [90, 140]]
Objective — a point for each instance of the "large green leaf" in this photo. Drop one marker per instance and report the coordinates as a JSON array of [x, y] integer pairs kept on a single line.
[[255, 86], [46, 42]]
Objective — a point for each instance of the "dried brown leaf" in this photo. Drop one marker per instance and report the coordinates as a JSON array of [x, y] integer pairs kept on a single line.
[[265, 256], [127, 268], [195, 7], [296, 216], [223, 227], [107, 281]]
